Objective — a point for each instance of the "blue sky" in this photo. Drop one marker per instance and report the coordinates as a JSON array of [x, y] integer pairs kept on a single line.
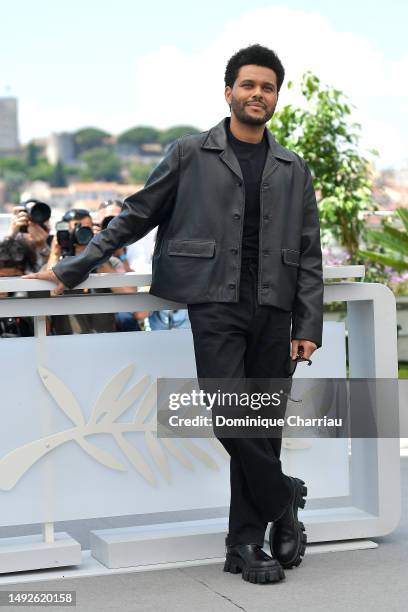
[[117, 64]]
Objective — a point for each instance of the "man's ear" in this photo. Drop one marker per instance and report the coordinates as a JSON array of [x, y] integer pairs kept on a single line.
[[227, 94]]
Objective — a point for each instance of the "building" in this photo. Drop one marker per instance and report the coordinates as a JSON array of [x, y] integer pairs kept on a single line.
[[60, 148], [78, 194], [9, 144]]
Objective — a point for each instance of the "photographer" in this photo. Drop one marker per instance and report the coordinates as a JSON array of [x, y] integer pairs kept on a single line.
[[31, 221], [125, 321], [17, 257], [72, 234]]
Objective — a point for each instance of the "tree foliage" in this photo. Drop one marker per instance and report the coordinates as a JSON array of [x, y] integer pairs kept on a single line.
[[393, 242], [323, 135], [101, 165], [177, 131], [90, 138], [138, 173], [138, 135]]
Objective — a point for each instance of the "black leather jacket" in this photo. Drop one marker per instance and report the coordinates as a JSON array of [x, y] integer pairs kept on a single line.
[[196, 198]]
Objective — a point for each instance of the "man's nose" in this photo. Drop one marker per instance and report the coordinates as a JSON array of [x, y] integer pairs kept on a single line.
[[257, 93]]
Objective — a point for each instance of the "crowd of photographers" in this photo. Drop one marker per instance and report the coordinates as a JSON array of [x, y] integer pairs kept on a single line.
[[29, 246]]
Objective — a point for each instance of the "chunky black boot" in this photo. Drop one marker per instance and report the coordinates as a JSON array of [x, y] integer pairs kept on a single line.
[[256, 566], [287, 539]]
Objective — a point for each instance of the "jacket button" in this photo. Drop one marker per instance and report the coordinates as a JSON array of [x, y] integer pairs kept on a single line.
[[239, 183], [266, 251], [266, 217], [237, 216], [265, 186], [234, 251], [231, 285]]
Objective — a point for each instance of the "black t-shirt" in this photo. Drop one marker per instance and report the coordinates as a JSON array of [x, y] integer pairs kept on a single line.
[[251, 158]]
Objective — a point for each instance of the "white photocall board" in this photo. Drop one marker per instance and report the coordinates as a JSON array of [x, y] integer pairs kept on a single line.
[[64, 457]]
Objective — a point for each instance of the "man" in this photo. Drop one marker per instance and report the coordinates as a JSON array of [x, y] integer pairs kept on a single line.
[[36, 234], [125, 321], [238, 240], [17, 257]]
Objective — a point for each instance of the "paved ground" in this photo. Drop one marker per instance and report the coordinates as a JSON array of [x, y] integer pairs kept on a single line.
[[357, 581]]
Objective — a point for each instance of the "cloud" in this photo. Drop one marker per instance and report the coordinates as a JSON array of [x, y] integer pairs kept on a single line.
[[173, 87], [170, 86]]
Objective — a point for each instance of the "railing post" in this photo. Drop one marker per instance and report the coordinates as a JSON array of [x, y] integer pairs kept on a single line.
[[40, 332]]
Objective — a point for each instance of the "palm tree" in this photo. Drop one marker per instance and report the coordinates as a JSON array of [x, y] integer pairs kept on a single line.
[[394, 241]]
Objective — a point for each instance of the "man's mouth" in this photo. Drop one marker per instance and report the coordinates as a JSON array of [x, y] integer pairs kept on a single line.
[[255, 105]]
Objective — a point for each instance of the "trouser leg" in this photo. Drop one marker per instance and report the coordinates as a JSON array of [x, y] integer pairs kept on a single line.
[[229, 343]]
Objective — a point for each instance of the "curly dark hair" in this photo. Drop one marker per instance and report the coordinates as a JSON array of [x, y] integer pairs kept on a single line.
[[17, 254], [254, 54]]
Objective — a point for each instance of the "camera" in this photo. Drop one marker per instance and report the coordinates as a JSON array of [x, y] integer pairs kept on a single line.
[[106, 221], [67, 238], [38, 212]]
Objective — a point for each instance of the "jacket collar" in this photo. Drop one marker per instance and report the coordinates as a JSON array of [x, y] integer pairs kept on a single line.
[[216, 139]]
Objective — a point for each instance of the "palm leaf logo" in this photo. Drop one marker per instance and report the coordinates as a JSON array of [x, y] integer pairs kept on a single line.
[[111, 404]]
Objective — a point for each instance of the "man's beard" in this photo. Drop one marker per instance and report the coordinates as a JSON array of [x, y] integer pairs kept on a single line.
[[242, 116]]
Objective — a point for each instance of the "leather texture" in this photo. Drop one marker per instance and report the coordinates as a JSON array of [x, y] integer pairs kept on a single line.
[[196, 198], [256, 566], [287, 537]]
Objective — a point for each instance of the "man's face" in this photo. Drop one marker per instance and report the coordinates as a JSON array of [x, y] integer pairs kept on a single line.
[[109, 211], [254, 95], [84, 222]]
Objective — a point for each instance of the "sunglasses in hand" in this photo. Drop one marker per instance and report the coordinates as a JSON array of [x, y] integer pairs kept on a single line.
[[293, 363]]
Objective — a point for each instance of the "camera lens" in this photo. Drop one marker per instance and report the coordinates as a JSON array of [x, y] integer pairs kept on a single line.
[[39, 212], [83, 235], [106, 221]]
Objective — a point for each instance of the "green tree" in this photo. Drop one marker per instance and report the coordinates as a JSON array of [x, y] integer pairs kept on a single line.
[[13, 171], [138, 173], [42, 171], [32, 154], [177, 131], [12, 165], [323, 135], [90, 138], [58, 178], [138, 135], [393, 241], [101, 165]]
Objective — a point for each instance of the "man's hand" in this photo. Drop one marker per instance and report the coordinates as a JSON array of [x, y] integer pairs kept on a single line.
[[37, 235], [302, 348], [48, 275], [19, 219]]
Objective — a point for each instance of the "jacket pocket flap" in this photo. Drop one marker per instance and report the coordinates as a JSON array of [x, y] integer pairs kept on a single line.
[[191, 248], [291, 257]]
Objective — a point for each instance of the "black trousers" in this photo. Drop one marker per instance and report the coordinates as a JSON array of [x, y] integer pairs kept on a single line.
[[246, 340]]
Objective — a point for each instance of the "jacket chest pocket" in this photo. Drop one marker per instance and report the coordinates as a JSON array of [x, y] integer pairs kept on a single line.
[[291, 257], [191, 248]]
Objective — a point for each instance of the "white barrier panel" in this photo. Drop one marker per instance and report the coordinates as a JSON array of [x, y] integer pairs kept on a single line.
[[74, 445]]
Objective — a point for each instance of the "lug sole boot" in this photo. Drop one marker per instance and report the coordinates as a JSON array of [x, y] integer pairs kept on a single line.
[[256, 566], [287, 537]]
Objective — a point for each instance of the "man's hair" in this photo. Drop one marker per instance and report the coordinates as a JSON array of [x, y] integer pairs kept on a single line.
[[254, 54], [107, 203], [17, 254]]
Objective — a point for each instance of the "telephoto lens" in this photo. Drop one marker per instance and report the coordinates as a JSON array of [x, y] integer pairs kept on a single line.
[[38, 212], [106, 221], [82, 235]]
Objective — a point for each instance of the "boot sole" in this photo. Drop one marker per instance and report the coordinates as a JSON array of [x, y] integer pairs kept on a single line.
[[301, 493], [235, 565]]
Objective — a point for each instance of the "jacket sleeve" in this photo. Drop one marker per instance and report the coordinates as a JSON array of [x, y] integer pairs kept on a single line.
[[307, 312], [141, 212]]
